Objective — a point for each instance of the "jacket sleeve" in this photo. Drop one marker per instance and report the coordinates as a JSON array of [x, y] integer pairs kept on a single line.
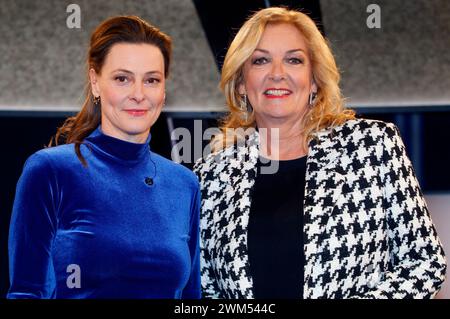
[[192, 289], [417, 261], [210, 287], [31, 233]]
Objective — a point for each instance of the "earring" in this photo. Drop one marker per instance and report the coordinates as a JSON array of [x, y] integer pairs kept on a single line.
[[244, 107], [312, 98], [96, 100]]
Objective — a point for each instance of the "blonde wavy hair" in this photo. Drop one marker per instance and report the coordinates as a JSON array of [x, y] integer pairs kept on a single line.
[[328, 109]]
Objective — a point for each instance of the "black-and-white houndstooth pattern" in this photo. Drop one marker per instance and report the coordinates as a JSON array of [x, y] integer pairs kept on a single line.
[[367, 229]]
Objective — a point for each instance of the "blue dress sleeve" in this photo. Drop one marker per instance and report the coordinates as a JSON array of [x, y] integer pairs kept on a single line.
[[192, 289], [32, 229]]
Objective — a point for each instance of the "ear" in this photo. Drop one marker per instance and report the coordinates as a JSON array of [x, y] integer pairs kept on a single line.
[[93, 79], [241, 89], [314, 87]]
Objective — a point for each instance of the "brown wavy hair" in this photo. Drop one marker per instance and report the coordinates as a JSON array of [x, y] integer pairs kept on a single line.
[[328, 109], [118, 29]]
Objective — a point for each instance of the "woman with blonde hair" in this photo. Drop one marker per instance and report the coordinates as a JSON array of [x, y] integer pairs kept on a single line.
[[299, 198]]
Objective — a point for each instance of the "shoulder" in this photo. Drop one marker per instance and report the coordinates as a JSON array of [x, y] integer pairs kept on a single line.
[[56, 160], [39, 167], [48, 157], [37, 163], [215, 162], [366, 126], [61, 156], [359, 136], [176, 170], [360, 129], [242, 152], [58, 152]]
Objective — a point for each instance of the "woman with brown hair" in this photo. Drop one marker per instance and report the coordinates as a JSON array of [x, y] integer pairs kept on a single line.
[[102, 215], [338, 212]]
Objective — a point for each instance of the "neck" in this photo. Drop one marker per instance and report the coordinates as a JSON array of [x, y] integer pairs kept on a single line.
[[281, 142], [118, 149]]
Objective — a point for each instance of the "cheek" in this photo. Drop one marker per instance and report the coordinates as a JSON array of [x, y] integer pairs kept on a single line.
[[156, 96], [254, 82], [114, 96], [304, 78]]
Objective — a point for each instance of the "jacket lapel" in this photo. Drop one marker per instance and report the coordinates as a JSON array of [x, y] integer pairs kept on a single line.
[[323, 186], [242, 173]]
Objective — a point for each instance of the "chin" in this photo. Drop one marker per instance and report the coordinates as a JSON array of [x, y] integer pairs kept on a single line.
[[137, 128], [279, 114]]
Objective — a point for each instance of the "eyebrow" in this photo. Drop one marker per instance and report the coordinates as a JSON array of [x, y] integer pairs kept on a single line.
[[289, 51], [129, 72]]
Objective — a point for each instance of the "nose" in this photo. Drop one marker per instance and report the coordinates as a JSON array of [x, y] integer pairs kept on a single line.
[[138, 92], [277, 72]]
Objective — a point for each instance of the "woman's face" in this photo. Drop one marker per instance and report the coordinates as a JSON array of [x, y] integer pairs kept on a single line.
[[131, 88], [278, 77]]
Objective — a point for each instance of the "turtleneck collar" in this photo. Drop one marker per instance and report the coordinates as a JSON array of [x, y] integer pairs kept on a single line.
[[116, 148]]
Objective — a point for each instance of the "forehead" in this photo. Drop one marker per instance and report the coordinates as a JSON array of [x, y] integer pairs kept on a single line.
[[283, 36], [134, 57]]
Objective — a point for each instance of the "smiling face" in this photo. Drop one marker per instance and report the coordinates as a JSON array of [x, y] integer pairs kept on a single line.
[[277, 78], [131, 87]]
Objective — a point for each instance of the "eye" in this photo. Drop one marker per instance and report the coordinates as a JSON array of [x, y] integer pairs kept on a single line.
[[121, 79], [153, 80], [259, 61], [295, 61]]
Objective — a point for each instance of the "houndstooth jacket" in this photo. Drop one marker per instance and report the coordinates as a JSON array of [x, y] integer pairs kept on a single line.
[[367, 229]]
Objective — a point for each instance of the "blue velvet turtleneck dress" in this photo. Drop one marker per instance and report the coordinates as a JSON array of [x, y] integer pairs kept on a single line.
[[102, 231]]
